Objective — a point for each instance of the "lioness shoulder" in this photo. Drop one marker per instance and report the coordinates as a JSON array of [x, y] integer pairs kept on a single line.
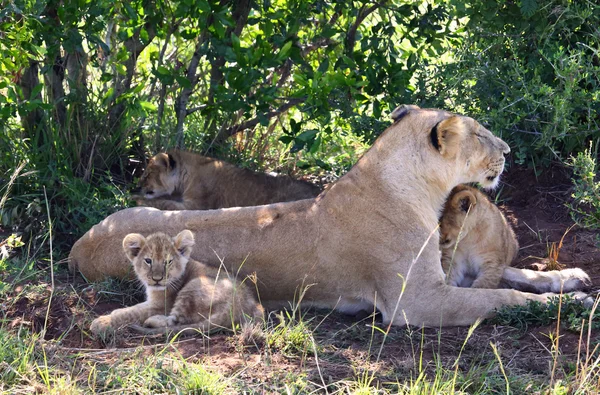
[[477, 242], [180, 180], [181, 293]]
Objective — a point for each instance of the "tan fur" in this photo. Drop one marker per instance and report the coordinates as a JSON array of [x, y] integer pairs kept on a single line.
[[476, 241], [180, 180], [478, 245], [370, 239], [181, 293]]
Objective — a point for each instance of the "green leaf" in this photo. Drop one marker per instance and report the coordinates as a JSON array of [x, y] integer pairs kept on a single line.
[[307, 135], [528, 7], [285, 50], [235, 42], [286, 139], [144, 35], [146, 105], [36, 91], [121, 69], [323, 66], [183, 82]]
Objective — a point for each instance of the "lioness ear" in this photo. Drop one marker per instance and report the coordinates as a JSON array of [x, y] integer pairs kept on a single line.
[[464, 200], [446, 135], [165, 160], [184, 242], [402, 110], [132, 244]]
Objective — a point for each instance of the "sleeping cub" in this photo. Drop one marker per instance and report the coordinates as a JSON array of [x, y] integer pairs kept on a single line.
[[476, 241], [478, 246], [181, 293]]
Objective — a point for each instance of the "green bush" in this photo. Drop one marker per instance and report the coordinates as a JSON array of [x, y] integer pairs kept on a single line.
[[530, 72], [585, 208]]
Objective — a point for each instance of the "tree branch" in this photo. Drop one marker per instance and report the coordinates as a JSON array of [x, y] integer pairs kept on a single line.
[[362, 14], [255, 121]]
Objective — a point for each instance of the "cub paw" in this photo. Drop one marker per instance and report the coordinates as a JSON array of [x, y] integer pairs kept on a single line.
[[159, 321], [101, 325], [574, 280]]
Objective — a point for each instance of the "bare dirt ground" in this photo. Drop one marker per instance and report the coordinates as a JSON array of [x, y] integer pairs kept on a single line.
[[345, 346]]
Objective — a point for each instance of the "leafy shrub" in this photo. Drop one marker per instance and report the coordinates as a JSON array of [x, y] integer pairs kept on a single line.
[[572, 314], [530, 72], [585, 209]]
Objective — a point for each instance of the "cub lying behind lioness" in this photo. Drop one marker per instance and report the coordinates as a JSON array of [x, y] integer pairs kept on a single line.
[[180, 180], [478, 246], [181, 293]]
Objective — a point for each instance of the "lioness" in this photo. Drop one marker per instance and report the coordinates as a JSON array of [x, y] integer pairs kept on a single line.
[[478, 246], [369, 239], [180, 180], [181, 293]]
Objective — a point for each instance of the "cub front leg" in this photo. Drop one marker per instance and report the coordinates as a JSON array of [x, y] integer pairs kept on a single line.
[[489, 275], [160, 321], [120, 317]]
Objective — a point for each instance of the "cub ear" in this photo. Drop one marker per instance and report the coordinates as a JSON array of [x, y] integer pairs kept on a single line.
[[447, 134], [402, 110], [132, 244], [165, 160], [184, 242], [464, 200]]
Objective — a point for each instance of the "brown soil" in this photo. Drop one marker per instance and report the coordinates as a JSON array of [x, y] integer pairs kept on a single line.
[[346, 347]]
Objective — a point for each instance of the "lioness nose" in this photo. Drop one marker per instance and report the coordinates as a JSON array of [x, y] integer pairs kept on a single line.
[[505, 147]]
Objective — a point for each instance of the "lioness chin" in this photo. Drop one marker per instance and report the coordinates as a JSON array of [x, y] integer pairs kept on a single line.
[[370, 239]]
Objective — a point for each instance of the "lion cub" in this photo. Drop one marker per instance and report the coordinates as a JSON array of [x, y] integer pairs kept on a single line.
[[181, 293], [476, 241]]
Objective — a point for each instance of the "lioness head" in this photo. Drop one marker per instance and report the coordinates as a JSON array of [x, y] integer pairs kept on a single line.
[[463, 141], [459, 215], [159, 260], [159, 178]]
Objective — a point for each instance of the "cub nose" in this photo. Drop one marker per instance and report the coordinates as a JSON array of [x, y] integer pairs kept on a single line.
[[156, 277]]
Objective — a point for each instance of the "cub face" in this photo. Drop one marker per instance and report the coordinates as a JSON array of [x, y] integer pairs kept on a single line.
[[159, 179], [159, 260], [458, 217]]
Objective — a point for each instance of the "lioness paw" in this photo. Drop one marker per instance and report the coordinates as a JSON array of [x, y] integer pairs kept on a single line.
[[573, 280], [585, 299], [101, 325], [159, 321]]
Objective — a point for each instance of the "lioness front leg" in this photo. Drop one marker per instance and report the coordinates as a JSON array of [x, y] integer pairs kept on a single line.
[[452, 306], [435, 305], [120, 317]]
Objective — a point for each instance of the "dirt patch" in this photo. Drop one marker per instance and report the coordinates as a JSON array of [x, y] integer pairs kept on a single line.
[[535, 206]]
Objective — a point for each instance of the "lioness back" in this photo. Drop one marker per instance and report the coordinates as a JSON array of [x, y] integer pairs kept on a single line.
[[477, 242], [181, 293], [180, 180]]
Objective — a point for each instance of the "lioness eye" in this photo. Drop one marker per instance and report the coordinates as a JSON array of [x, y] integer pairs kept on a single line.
[[148, 261]]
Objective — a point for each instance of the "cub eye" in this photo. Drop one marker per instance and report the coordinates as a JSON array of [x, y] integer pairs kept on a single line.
[[169, 261], [148, 261]]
